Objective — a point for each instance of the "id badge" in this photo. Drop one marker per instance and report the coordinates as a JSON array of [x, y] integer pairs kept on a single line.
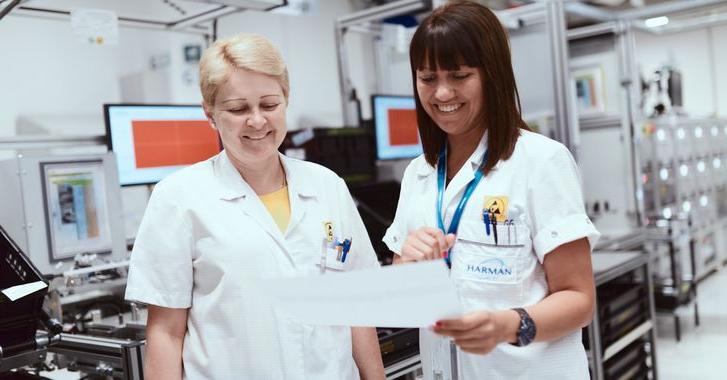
[[331, 260]]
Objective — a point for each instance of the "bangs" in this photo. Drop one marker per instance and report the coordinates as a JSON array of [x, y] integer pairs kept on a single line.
[[443, 46]]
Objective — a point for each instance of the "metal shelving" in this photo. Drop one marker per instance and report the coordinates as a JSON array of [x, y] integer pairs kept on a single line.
[[616, 347]]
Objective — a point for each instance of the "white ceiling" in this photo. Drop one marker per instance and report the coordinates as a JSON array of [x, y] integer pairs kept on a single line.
[[162, 12]]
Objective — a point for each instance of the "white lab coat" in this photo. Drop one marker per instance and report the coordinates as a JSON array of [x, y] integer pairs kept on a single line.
[[541, 186], [204, 241]]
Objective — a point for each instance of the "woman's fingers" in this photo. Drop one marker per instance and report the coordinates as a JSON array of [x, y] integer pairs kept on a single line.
[[426, 243]]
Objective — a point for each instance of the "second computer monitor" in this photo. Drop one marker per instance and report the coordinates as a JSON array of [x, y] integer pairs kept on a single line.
[[395, 124], [152, 141]]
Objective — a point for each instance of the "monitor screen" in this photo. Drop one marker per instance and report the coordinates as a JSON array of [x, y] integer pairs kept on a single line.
[[152, 141], [395, 126]]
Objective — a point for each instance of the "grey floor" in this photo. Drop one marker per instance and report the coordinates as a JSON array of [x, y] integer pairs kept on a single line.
[[702, 352]]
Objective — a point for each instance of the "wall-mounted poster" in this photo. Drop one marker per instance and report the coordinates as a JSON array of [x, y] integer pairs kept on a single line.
[[590, 93], [75, 204]]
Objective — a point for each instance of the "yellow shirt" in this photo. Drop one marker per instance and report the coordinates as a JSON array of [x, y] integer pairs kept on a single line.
[[278, 206]]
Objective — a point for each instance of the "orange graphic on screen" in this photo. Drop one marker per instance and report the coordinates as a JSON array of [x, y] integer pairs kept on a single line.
[[403, 127], [172, 142]]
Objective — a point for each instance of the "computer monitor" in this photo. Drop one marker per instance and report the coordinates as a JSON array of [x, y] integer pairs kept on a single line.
[[152, 141], [395, 127], [63, 206]]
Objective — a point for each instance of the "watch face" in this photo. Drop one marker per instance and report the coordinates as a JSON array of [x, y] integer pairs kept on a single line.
[[527, 331]]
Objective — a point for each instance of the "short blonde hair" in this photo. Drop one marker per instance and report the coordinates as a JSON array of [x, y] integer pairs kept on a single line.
[[246, 51]]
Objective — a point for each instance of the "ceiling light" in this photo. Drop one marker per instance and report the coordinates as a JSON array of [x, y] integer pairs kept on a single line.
[[656, 22]]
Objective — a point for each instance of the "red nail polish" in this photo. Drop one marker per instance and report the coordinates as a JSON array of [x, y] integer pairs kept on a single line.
[[438, 324]]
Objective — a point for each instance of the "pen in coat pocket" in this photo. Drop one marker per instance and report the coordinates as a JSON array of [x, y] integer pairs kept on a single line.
[[494, 226]]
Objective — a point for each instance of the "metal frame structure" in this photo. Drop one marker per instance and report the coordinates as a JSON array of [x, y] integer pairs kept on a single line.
[[621, 25], [202, 23], [551, 12], [357, 22], [604, 15], [607, 266], [566, 120]]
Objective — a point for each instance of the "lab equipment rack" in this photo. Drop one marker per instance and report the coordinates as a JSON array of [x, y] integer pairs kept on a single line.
[[684, 172], [672, 243], [621, 339]]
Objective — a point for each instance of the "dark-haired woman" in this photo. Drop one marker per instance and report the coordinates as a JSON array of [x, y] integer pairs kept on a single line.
[[501, 204]]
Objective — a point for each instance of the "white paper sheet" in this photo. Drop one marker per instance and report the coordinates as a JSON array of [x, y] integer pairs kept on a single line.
[[19, 291], [409, 295]]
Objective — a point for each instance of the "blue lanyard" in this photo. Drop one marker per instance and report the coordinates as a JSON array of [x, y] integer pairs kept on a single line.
[[441, 174]]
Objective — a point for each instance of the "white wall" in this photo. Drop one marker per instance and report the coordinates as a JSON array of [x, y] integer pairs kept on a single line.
[[533, 65], [49, 82], [603, 54], [45, 71], [690, 52], [719, 49]]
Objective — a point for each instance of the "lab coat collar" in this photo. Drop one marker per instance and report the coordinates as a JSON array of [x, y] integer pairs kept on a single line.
[[475, 159], [467, 173], [297, 184], [234, 186]]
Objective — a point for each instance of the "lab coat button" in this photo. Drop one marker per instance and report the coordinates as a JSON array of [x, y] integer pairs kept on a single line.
[[553, 234]]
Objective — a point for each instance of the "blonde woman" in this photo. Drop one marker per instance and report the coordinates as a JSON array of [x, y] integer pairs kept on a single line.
[[212, 229]]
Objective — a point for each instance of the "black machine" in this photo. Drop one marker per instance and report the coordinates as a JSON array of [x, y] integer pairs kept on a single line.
[[20, 344], [397, 344], [28, 333], [351, 153], [376, 204]]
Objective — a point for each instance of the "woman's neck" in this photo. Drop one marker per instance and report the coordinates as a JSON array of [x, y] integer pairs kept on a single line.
[[460, 148], [265, 176]]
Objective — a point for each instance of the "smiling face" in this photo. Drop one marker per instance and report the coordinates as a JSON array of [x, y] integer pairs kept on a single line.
[[249, 113], [452, 98]]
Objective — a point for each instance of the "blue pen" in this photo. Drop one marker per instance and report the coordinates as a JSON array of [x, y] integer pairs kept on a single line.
[[486, 218], [346, 246]]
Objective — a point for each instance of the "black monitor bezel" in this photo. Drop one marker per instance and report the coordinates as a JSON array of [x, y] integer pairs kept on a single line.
[[107, 122]]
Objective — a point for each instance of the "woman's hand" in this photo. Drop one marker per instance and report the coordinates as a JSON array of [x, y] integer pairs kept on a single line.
[[426, 243], [481, 331]]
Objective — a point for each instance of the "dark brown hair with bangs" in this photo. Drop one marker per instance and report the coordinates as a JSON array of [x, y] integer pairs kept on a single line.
[[466, 33]]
